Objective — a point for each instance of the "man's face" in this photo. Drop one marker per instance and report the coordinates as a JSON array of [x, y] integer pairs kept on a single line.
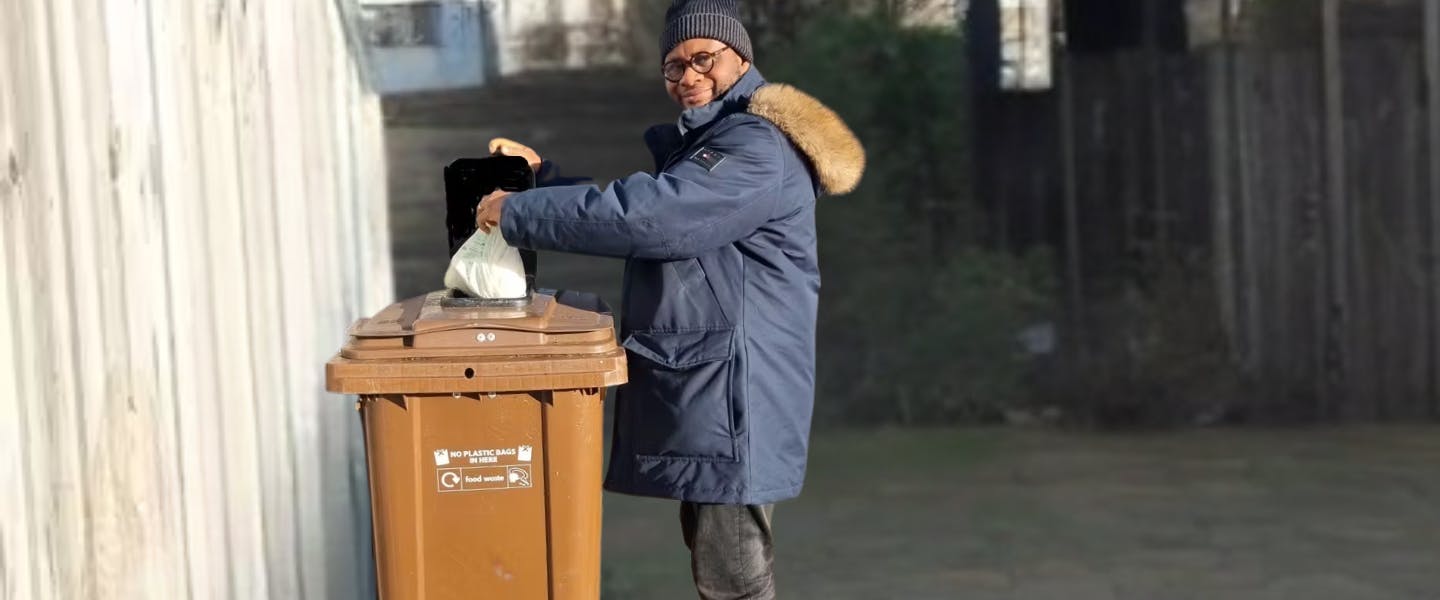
[[698, 89]]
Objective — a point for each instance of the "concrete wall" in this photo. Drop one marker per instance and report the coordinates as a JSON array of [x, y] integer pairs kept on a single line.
[[192, 210]]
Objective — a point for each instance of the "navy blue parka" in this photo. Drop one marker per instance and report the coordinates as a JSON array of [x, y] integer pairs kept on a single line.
[[721, 290]]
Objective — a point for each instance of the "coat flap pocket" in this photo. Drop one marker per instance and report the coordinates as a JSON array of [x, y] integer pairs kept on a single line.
[[681, 349]]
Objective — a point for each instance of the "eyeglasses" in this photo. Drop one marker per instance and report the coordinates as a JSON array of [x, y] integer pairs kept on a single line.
[[702, 62]]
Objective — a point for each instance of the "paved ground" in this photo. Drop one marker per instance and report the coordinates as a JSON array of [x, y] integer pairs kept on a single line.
[[1349, 513]]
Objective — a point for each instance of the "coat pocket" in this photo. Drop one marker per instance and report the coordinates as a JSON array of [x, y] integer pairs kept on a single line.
[[672, 296], [680, 393]]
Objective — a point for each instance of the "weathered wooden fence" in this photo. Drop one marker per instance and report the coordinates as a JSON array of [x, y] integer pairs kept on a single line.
[[191, 212], [1302, 171]]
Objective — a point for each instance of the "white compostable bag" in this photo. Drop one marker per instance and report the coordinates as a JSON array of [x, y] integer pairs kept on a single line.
[[487, 267]]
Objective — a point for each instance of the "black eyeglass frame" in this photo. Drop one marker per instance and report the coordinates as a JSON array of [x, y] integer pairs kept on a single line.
[[691, 63]]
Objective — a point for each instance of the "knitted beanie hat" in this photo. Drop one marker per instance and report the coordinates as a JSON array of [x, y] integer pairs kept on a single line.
[[715, 19]]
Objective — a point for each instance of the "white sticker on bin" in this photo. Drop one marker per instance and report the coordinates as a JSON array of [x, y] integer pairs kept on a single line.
[[476, 479], [482, 469]]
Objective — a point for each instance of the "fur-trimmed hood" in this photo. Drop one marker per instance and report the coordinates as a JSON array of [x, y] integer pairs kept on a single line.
[[832, 149]]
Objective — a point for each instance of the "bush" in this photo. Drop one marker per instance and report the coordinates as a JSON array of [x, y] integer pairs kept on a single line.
[[938, 345], [917, 323], [1157, 356], [903, 92]]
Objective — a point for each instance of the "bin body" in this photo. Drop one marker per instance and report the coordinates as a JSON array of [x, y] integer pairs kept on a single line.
[[483, 440]]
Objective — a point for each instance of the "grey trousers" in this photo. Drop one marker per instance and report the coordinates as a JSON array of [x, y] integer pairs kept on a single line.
[[731, 550]]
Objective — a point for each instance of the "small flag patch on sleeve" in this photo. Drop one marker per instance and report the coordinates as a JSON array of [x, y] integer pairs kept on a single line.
[[707, 158]]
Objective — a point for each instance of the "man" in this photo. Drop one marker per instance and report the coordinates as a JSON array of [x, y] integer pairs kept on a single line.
[[720, 292]]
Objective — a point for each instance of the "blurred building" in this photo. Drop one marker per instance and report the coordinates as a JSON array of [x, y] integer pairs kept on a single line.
[[420, 45]]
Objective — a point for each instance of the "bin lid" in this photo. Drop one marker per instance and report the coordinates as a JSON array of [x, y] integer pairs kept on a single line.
[[427, 313], [472, 346]]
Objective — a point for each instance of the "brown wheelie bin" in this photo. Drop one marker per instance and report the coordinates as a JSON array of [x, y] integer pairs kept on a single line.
[[483, 429]]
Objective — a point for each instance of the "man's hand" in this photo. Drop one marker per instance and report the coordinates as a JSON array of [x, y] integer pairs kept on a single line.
[[507, 147], [487, 214]]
